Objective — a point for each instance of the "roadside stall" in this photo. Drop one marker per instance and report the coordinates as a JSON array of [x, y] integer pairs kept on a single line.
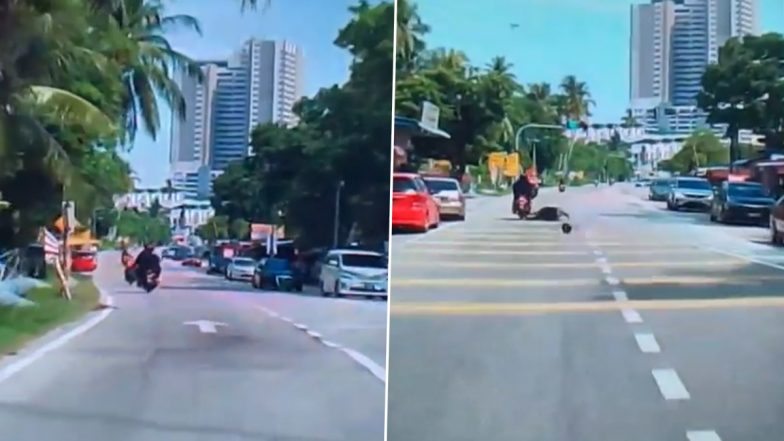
[[83, 247], [409, 130]]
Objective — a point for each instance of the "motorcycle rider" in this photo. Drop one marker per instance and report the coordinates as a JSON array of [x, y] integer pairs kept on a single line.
[[146, 261], [521, 187]]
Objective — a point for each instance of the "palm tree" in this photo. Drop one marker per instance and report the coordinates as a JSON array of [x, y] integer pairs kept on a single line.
[[577, 96], [147, 60], [629, 120], [410, 29], [30, 63]]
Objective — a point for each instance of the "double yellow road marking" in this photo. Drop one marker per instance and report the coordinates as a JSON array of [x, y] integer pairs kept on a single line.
[[522, 282], [507, 265], [501, 309]]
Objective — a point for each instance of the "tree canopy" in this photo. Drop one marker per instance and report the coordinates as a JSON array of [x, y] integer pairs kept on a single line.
[[343, 136], [745, 89], [481, 107], [72, 95]]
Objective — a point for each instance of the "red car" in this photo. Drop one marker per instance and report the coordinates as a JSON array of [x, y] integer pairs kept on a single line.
[[413, 207], [192, 261], [83, 261]]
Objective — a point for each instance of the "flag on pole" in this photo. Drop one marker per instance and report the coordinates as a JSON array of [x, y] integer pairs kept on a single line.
[[50, 242]]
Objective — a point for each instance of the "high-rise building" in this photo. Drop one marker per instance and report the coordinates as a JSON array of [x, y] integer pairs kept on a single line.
[[672, 43], [258, 84]]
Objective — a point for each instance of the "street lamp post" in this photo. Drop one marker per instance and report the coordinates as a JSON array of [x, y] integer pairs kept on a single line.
[[337, 215], [541, 126]]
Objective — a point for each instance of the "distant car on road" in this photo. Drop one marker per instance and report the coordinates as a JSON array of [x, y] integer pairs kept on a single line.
[[659, 189], [413, 207], [777, 222], [354, 272], [192, 261], [690, 193], [448, 195], [741, 202], [240, 268], [273, 272], [83, 261]]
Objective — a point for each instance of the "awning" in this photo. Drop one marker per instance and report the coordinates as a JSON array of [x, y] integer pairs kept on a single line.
[[418, 129]]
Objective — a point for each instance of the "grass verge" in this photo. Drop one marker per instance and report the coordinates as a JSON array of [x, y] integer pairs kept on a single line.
[[19, 325]]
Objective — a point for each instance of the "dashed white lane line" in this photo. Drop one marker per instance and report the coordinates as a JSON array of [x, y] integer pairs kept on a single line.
[[620, 295], [613, 281], [670, 384], [606, 270], [371, 366], [601, 260], [702, 435], [631, 316], [647, 343], [597, 252]]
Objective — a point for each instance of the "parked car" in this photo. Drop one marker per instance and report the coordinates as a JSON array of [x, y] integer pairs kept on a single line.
[[741, 202], [777, 222], [354, 272], [690, 193], [448, 196], [83, 261], [413, 207], [274, 272], [240, 268], [659, 190]]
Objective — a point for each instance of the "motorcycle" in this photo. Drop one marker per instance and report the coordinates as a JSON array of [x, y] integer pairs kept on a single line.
[[130, 274], [523, 208], [150, 281]]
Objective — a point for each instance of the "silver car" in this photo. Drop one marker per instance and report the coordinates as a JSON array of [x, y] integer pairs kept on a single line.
[[448, 195], [690, 193], [240, 268]]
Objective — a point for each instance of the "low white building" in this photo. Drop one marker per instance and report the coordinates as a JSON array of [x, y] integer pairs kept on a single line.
[[182, 211], [190, 214]]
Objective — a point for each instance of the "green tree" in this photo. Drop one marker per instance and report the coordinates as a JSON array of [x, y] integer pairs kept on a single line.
[[239, 229], [745, 90], [701, 149], [577, 98], [216, 228], [343, 135]]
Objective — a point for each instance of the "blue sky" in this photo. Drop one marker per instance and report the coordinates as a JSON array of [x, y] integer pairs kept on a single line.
[[312, 24], [587, 38]]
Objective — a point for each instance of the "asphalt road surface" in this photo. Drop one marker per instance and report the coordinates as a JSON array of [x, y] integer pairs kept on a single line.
[[249, 368], [641, 325]]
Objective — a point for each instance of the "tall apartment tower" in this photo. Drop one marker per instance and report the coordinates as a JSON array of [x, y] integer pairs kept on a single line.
[[673, 41], [260, 83]]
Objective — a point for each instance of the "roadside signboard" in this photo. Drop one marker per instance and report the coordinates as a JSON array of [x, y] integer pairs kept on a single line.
[[512, 165], [430, 115], [495, 164], [260, 231]]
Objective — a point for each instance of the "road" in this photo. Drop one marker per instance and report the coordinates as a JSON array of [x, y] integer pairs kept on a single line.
[[641, 325], [276, 367]]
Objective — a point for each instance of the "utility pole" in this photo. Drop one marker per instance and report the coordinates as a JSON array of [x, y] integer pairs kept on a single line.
[[337, 215]]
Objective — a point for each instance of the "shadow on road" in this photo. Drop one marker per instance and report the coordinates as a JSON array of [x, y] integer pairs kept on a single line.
[[749, 280]]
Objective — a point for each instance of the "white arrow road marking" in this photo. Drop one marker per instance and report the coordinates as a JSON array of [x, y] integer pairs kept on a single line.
[[206, 326]]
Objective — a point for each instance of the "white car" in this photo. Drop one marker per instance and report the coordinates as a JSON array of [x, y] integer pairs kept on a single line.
[[354, 273], [240, 268]]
